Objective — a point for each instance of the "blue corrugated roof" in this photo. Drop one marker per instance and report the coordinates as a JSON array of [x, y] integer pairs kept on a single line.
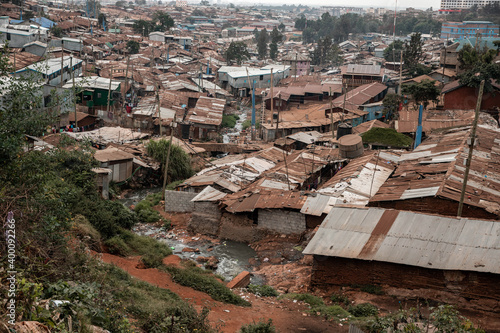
[[15, 21], [44, 22]]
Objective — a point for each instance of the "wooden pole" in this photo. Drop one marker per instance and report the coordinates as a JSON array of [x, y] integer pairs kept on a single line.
[[109, 91], [331, 112], [272, 98], [167, 161], [278, 118], [62, 65], [74, 91], [159, 110], [126, 75], [400, 73], [471, 148]]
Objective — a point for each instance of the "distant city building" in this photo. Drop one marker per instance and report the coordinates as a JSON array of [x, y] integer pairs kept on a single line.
[[338, 11], [468, 29], [464, 4], [181, 3]]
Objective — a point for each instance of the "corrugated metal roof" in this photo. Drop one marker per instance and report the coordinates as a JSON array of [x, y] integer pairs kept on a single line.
[[408, 238], [209, 194], [316, 204]]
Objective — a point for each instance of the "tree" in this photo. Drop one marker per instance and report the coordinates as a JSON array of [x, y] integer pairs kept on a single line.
[[273, 51], [327, 53], [392, 53], [103, 21], [300, 23], [21, 109], [281, 27], [412, 53], [497, 44], [197, 12], [262, 43], [422, 92], [143, 27], [276, 36], [121, 3], [237, 51], [469, 57], [391, 105], [162, 21], [481, 71], [133, 47], [56, 31]]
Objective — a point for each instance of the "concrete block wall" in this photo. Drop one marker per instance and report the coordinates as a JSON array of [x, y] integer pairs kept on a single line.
[[282, 221], [177, 201]]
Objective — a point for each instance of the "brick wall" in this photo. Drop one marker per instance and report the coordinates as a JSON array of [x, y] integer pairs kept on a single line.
[[177, 201], [282, 221]]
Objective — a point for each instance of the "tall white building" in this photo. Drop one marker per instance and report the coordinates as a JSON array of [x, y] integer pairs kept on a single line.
[[464, 4]]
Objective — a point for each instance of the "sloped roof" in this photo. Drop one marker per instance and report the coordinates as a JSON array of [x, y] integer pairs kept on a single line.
[[408, 238]]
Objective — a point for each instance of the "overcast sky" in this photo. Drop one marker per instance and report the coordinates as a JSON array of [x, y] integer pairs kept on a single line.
[[423, 4]]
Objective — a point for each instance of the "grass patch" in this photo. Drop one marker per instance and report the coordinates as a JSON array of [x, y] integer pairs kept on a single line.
[[248, 123], [313, 301], [229, 120], [127, 243], [259, 327], [363, 310], [372, 289], [340, 299], [173, 185], [263, 290], [387, 136], [334, 312], [144, 209], [202, 280]]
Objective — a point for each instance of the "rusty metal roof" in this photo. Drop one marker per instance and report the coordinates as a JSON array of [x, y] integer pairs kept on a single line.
[[437, 166], [408, 238], [361, 95], [112, 154]]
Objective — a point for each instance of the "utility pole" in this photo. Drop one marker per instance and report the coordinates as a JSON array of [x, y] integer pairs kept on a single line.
[[159, 109], [62, 65], [126, 75], [471, 148], [74, 91], [272, 98], [278, 118], [400, 72], [343, 108], [109, 91], [173, 125], [331, 111]]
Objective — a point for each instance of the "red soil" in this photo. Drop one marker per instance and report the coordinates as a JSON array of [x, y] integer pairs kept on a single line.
[[287, 316]]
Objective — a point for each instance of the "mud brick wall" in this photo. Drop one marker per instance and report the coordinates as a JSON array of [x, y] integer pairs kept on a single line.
[[177, 201], [282, 221], [334, 271], [206, 218]]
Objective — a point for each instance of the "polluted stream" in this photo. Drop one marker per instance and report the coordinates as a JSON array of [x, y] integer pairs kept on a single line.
[[232, 256], [231, 134]]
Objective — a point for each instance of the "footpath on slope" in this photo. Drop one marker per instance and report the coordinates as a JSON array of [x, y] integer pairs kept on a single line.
[[287, 315]]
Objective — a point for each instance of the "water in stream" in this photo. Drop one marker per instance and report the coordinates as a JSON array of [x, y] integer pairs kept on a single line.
[[233, 256], [233, 132]]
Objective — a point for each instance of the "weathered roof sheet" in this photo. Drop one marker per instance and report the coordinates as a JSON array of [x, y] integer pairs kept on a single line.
[[112, 154], [209, 194], [408, 238], [361, 95]]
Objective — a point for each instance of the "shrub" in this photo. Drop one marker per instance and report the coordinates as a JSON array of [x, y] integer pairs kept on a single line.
[[263, 290], [229, 120], [340, 299], [313, 301], [116, 245], [179, 164], [335, 312], [204, 281], [152, 260], [372, 289], [144, 209], [363, 310], [86, 232], [259, 327], [167, 224]]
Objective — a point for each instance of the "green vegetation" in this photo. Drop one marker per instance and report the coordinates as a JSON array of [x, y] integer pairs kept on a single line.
[[444, 318], [229, 120], [202, 280], [313, 301], [387, 137], [259, 327], [179, 164], [144, 209], [248, 123], [262, 290], [372, 289], [340, 299], [363, 310], [237, 52], [173, 185], [318, 307], [161, 21], [133, 47], [422, 92]]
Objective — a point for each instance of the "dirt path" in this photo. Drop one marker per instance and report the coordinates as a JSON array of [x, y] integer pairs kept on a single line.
[[287, 316]]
